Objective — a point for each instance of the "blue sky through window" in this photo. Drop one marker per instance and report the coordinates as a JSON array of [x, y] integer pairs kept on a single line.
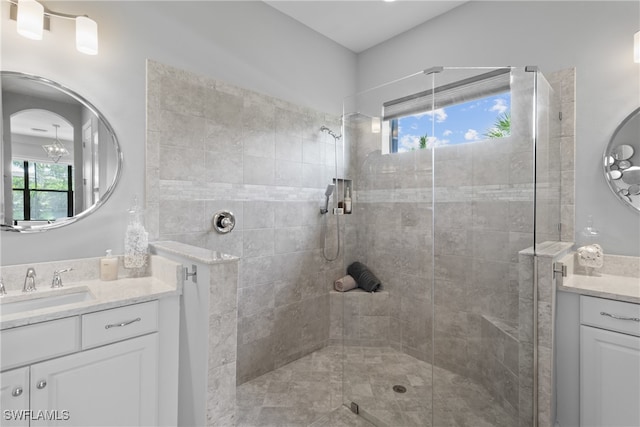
[[455, 124]]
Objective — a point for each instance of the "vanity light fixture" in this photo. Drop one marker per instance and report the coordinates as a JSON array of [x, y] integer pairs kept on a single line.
[[86, 35], [636, 48], [56, 149], [32, 18]]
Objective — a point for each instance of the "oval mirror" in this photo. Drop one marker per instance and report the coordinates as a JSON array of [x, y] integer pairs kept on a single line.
[[60, 157], [621, 161]]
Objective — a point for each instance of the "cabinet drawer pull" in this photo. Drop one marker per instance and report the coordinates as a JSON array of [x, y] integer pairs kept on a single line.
[[41, 384], [16, 392], [117, 325], [633, 319]]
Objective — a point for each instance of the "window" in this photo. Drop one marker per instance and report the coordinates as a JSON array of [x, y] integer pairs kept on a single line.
[[470, 110], [41, 191]]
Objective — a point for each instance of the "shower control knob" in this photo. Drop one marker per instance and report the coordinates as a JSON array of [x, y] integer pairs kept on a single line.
[[223, 221]]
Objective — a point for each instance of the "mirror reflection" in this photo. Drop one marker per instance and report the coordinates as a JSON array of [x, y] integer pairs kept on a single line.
[[622, 161], [60, 156]]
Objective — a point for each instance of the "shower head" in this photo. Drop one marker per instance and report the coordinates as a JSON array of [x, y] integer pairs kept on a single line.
[[330, 189], [327, 194], [323, 128]]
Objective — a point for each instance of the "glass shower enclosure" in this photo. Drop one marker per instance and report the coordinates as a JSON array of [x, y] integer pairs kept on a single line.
[[452, 172]]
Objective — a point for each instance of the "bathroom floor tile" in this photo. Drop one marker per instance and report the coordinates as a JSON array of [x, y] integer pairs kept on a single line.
[[308, 393]]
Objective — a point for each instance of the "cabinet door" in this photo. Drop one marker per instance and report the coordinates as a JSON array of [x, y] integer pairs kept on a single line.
[[114, 385], [609, 378], [14, 397]]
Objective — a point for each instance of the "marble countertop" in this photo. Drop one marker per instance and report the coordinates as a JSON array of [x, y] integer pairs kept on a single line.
[[106, 295], [621, 288], [193, 253]]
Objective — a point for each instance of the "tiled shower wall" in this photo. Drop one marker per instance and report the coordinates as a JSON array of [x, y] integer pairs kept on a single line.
[[483, 218], [213, 146], [563, 83]]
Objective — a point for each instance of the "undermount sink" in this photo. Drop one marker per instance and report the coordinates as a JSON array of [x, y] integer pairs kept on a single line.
[[46, 299]]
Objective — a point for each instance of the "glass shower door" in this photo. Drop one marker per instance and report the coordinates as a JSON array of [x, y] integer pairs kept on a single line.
[[487, 208], [445, 197], [483, 182], [387, 334]]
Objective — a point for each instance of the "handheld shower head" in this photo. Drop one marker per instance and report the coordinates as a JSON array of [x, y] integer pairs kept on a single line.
[[330, 189], [327, 194]]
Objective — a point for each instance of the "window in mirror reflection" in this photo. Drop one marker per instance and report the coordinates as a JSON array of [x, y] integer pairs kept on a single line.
[[41, 191], [464, 122]]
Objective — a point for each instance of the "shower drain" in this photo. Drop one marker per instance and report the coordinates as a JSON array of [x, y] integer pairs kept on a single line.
[[399, 389]]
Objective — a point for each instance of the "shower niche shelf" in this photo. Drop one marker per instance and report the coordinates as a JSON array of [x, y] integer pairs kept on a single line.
[[344, 188]]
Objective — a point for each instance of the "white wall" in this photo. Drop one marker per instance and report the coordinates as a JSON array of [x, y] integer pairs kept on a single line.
[[248, 44], [595, 37]]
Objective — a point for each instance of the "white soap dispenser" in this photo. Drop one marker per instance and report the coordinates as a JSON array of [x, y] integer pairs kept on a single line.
[[109, 267]]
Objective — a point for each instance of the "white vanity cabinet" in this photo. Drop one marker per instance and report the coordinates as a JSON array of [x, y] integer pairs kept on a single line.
[[609, 363], [108, 377], [14, 397], [114, 385]]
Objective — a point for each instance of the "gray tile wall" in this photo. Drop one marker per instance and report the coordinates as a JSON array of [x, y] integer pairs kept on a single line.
[[222, 345], [563, 83], [213, 146], [556, 156], [359, 318], [390, 231], [500, 363], [546, 257]]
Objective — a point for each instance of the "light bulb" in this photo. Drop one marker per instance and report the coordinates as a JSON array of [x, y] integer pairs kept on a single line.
[[30, 19], [86, 35]]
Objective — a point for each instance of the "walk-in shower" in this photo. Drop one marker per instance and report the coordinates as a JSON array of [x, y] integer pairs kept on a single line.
[[454, 175]]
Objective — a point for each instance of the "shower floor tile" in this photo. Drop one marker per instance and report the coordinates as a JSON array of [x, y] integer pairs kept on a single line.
[[308, 393]]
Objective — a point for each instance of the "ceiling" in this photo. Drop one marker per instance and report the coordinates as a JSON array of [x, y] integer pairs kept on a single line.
[[38, 122], [361, 24]]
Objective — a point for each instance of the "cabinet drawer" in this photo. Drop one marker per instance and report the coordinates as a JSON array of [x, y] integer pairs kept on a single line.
[[608, 314], [120, 323], [27, 344]]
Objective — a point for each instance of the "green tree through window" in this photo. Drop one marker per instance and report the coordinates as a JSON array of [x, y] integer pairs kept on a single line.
[[501, 128], [42, 191]]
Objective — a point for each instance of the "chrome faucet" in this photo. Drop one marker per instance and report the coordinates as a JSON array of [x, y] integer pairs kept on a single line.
[[57, 279], [3, 291], [30, 280]]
